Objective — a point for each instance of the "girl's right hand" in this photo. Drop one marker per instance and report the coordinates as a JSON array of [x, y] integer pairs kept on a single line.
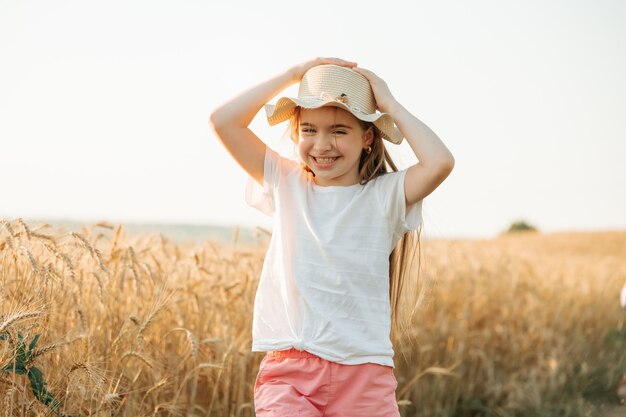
[[298, 71]]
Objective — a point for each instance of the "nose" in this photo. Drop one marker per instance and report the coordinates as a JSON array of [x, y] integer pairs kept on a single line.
[[325, 142]]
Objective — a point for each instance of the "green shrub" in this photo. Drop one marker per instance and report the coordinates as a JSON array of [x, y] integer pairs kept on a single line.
[[521, 226]]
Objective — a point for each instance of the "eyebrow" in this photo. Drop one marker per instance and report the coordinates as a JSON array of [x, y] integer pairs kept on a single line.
[[331, 126]]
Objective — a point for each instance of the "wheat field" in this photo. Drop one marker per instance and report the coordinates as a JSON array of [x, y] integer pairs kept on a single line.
[[100, 323]]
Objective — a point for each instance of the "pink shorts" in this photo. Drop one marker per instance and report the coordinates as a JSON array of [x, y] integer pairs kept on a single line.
[[293, 383]]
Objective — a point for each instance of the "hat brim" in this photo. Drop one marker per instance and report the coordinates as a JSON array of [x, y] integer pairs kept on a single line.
[[285, 106]]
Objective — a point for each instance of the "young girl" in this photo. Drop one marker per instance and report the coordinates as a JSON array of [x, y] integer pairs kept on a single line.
[[322, 310]]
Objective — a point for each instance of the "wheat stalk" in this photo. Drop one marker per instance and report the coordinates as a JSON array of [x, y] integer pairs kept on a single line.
[[46, 349], [137, 355], [193, 342], [92, 250], [31, 259], [163, 298], [8, 400], [133, 262], [15, 317], [25, 228], [152, 389], [8, 227]]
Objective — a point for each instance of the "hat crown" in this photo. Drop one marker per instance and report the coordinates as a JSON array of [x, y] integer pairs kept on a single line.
[[333, 82]]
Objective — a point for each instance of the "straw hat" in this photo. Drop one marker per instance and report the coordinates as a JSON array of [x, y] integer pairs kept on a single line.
[[333, 85]]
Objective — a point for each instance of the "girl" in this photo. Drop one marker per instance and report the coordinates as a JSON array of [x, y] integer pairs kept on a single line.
[[322, 310]]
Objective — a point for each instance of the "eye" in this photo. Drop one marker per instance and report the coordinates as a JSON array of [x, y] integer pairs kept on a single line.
[[308, 130], [340, 132]]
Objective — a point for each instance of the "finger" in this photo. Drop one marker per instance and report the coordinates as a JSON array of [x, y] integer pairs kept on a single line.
[[365, 72], [339, 61]]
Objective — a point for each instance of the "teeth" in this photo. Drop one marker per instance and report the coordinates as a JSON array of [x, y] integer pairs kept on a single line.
[[325, 160]]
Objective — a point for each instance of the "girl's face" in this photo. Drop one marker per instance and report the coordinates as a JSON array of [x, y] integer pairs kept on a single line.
[[331, 141]]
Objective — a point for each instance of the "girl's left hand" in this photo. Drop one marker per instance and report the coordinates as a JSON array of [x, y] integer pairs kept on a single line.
[[384, 99]]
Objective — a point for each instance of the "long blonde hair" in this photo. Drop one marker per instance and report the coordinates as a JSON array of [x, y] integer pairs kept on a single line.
[[371, 165]]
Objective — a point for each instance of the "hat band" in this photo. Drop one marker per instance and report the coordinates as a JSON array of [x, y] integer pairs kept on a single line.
[[342, 98]]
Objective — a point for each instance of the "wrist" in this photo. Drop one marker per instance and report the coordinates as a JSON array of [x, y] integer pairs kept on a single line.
[[392, 107], [291, 75]]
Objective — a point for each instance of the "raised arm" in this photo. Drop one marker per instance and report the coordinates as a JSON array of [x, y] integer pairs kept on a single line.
[[230, 121], [435, 161]]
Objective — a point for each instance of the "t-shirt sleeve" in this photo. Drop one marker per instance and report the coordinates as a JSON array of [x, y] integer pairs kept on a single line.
[[262, 198], [390, 190]]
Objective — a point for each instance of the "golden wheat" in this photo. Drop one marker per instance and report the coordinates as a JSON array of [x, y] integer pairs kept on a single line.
[[517, 325]]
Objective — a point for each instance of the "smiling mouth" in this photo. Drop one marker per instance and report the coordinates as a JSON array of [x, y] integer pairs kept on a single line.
[[325, 160]]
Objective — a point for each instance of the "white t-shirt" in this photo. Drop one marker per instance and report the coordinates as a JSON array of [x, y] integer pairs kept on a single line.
[[324, 287]]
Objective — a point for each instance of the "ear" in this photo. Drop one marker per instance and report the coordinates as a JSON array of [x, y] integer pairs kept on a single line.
[[368, 136]]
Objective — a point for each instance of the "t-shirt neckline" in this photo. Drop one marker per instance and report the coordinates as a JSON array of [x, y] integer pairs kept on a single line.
[[332, 188]]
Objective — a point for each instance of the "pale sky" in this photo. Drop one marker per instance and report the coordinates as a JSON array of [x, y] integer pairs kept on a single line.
[[104, 105]]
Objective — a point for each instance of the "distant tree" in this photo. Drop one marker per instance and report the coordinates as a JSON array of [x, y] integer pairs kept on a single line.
[[521, 226]]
